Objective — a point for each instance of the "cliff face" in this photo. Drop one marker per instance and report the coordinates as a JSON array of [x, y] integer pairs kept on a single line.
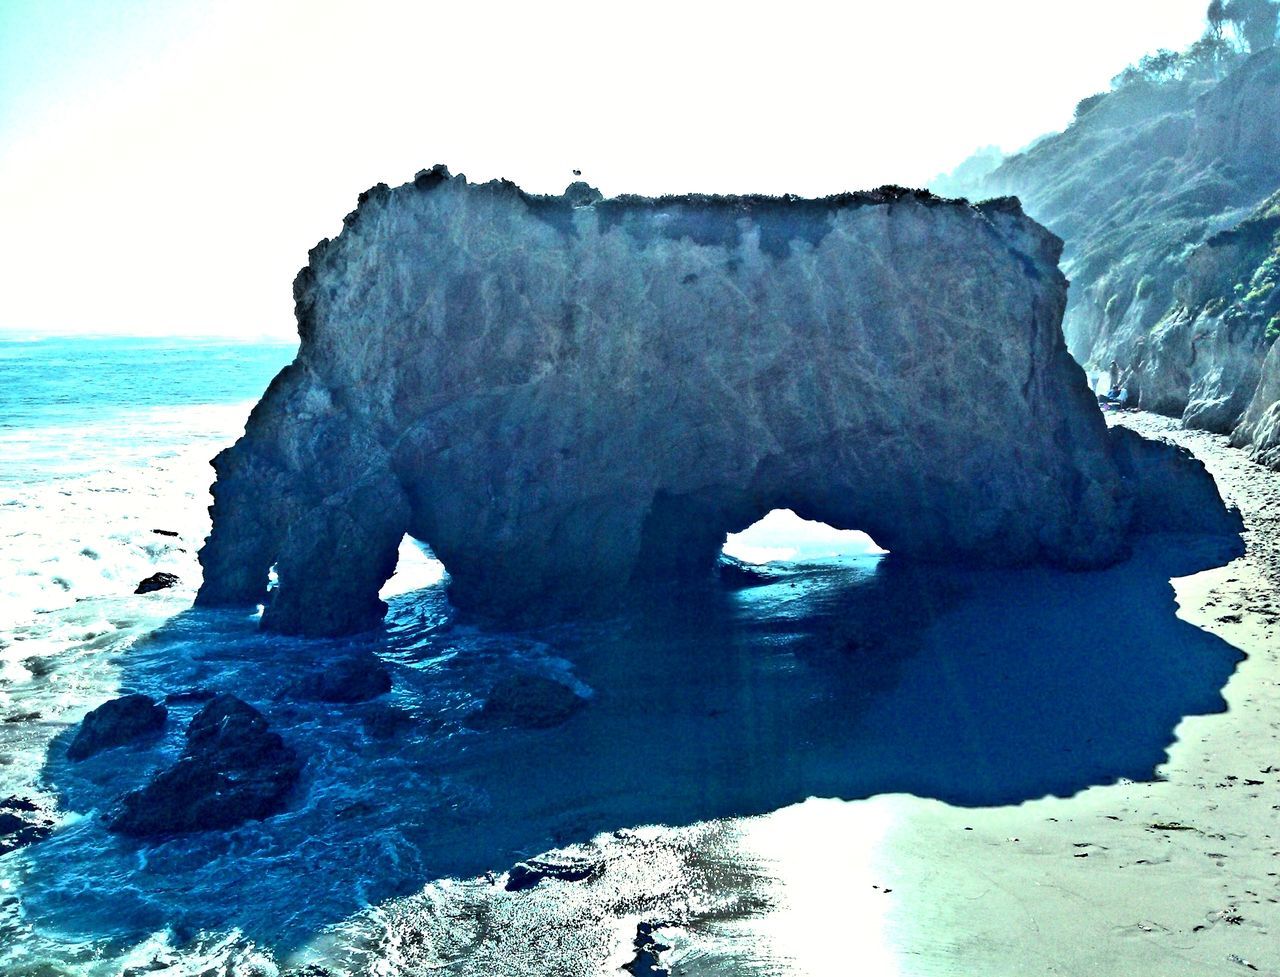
[[565, 396], [1160, 192]]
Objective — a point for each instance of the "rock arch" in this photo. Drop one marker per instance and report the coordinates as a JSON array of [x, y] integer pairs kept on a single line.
[[565, 395]]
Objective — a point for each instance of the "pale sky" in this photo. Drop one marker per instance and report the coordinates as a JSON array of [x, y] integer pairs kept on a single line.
[[166, 165]]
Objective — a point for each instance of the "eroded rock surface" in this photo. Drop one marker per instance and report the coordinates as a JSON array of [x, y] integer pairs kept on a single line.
[[568, 395]]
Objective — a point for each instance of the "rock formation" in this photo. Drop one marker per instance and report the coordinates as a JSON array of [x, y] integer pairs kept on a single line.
[[564, 396]]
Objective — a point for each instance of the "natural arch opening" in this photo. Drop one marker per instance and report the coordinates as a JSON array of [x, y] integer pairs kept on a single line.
[[417, 568], [782, 536]]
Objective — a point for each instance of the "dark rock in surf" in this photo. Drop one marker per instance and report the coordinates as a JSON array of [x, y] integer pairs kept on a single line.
[[23, 822], [157, 581], [234, 769], [527, 874], [648, 947], [164, 532], [528, 701], [355, 678], [116, 723]]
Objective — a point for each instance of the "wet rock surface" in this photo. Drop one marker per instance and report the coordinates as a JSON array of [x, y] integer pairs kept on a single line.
[[115, 723], [157, 581], [592, 392], [23, 821], [234, 769], [527, 701]]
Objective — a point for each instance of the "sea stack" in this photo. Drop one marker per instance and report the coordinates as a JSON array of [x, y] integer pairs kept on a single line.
[[568, 395]]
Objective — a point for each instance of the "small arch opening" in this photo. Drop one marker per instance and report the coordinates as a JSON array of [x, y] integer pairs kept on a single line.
[[416, 569], [781, 536]]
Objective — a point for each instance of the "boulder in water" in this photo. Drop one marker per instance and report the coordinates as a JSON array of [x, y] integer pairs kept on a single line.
[[354, 678], [115, 723], [234, 769], [157, 581], [528, 701], [527, 874], [23, 822]]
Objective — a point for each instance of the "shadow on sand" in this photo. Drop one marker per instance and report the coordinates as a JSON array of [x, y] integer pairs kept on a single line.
[[843, 680]]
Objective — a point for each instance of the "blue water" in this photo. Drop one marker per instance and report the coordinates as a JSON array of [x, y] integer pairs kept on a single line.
[[842, 677], [54, 393]]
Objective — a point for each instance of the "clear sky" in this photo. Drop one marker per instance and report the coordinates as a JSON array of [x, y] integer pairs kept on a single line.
[[166, 164]]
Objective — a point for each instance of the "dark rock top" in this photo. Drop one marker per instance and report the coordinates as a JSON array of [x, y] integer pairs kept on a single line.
[[526, 700], [354, 678], [157, 581], [234, 769], [565, 397], [527, 874], [115, 723], [23, 822]]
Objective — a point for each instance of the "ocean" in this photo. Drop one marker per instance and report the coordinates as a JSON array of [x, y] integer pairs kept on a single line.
[[678, 790]]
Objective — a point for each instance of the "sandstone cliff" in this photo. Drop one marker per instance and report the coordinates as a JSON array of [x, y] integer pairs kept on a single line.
[[567, 396], [1163, 191]]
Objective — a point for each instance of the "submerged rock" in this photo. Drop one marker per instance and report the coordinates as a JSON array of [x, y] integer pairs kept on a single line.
[[234, 769], [594, 393], [157, 581], [354, 678], [23, 822], [528, 701], [115, 723]]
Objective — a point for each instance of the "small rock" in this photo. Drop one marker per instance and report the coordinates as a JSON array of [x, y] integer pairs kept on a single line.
[[39, 666], [157, 581], [115, 723], [234, 769], [527, 874], [356, 678], [23, 822], [164, 532], [528, 701]]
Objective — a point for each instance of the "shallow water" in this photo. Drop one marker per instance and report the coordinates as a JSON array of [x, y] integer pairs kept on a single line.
[[838, 677]]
